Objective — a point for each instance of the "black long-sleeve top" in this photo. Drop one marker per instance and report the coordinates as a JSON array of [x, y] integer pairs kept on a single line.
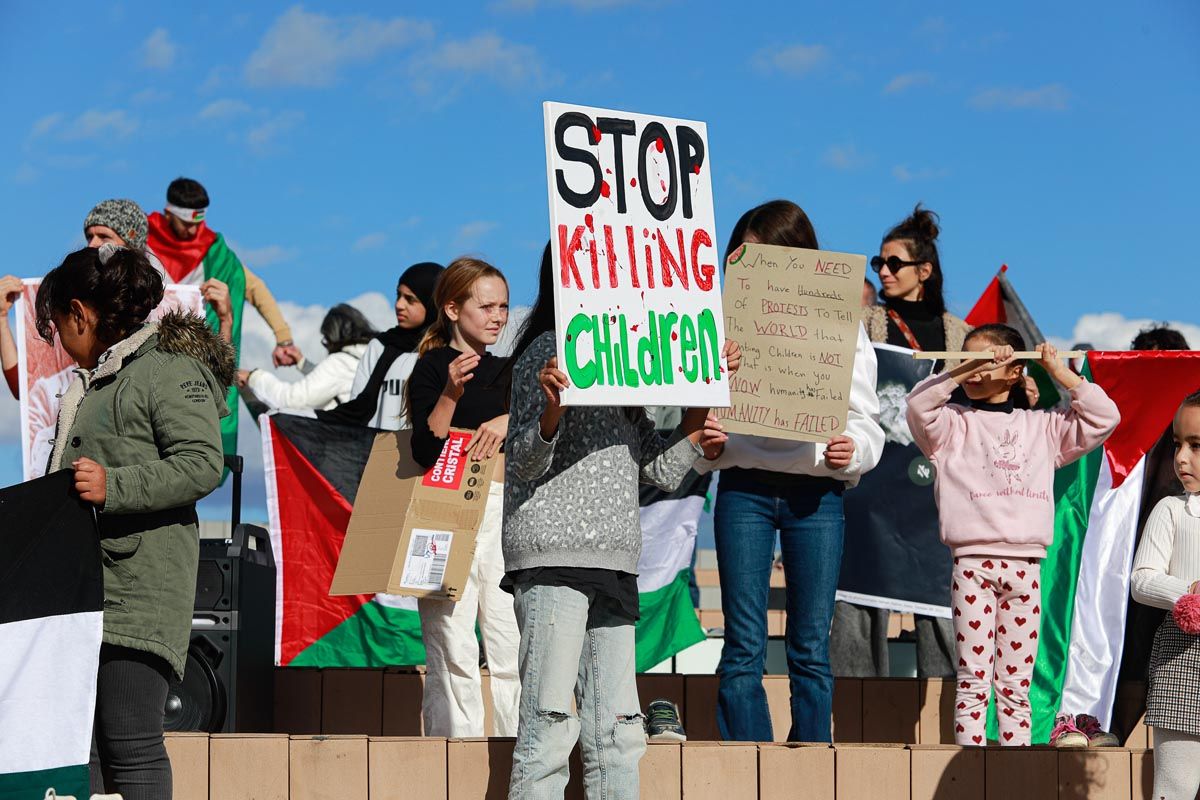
[[484, 397]]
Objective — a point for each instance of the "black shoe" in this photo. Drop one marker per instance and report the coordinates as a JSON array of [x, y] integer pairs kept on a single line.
[[662, 722]]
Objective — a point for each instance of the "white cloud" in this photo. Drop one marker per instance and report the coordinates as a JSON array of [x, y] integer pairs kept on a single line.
[[370, 241], [25, 174], [224, 108], [46, 124], [215, 79], [467, 236], [906, 81], [158, 51], [150, 96], [93, 124], [1051, 97], [578, 5], [306, 49], [263, 135], [795, 60], [1113, 331], [902, 173], [845, 157], [488, 55]]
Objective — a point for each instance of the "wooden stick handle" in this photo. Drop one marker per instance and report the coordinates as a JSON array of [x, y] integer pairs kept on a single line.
[[966, 355]]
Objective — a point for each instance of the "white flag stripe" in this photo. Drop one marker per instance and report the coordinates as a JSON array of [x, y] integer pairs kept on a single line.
[[48, 663], [1102, 596], [668, 538], [268, 455]]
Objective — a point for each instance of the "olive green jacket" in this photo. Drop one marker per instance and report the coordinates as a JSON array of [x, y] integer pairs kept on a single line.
[[148, 413]]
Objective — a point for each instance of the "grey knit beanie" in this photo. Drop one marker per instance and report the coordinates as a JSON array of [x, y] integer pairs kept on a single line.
[[125, 217]]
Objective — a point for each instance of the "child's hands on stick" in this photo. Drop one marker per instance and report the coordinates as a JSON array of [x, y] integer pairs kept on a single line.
[[1056, 368]]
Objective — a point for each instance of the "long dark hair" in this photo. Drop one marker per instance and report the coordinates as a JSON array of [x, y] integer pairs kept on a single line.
[[116, 282], [541, 316], [343, 326], [995, 333], [918, 232], [776, 222]]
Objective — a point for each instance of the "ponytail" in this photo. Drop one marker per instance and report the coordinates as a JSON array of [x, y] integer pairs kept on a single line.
[[919, 233], [118, 283]]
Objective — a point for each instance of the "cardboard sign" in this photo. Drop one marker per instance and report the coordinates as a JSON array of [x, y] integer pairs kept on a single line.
[[44, 371], [412, 531], [637, 289], [795, 313]]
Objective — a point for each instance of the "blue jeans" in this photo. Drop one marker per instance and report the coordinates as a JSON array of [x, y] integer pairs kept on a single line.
[[807, 513], [570, 651]]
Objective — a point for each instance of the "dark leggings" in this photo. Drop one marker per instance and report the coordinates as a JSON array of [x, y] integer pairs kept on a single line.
[[128, 753]]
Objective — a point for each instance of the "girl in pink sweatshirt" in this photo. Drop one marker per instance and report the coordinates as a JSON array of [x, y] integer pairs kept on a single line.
[[995, 463]]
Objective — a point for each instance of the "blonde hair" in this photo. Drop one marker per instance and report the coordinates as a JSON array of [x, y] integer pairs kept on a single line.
[[455, 285]]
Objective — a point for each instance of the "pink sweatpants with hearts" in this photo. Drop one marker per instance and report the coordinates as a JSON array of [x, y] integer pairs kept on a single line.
[[996, 618]]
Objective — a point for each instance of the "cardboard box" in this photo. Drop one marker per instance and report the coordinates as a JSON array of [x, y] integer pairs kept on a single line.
[[936, 725], [328, 768], [875, 771], [1141, 768], [189, 764], [1097, 774], [779, 703], [352, 702], [412, 531], [719, 770], [700, 698], [400, 768], [478, 769], [891, 710], [297, 700], [945, 772], [248, 766], [661, 771], [847, 710], [403, 692], [1022, 773], [787, 771]]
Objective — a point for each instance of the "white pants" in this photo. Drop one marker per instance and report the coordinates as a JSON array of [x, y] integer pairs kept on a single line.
[[453, 700]]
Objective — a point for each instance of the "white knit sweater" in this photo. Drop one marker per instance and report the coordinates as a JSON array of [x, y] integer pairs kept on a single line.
[[1168, 557]]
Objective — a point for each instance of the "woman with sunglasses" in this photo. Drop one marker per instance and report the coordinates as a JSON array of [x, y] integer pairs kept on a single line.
[[912, 314]]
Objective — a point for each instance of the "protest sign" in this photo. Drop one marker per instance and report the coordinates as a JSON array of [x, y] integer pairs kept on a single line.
[[44, 370], [795, 313], [636, 285], [412, 531]]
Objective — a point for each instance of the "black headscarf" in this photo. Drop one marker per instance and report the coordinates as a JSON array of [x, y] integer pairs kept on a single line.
[[420, 279]]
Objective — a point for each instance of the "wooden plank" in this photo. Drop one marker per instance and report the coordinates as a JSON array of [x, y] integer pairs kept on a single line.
[[779, 704], [891, 710], [936, 725], [964, 355], [248, 767], [776, 622], [700, 700], [875, 771], [402, 694], [478, 769], [1141, 769], [328, 768], [847, 710], [1099, 773], [1021, 773], [188, 753], [945, 772], [719, 770], [297, 700], [787, 771], [401, 768], [708, 577], [661, 771], [352, 701], [713, 618]]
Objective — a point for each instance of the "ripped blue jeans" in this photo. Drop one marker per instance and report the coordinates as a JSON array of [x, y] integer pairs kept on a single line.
[[573, 657]]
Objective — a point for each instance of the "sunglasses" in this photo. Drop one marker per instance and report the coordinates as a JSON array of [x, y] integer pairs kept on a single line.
[[893, 263]]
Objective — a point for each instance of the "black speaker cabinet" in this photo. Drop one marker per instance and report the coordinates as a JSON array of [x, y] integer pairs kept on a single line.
[[227, 684]]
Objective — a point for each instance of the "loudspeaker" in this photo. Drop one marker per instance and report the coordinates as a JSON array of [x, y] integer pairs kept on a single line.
[[227, 683]]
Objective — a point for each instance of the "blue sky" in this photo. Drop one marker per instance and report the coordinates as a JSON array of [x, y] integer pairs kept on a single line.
[[341, 142]]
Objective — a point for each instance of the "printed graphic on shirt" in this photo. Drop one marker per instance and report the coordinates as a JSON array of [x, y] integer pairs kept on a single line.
[[1007, 465]]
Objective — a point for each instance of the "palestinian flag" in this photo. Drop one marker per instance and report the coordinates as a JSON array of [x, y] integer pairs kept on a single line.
[[312, 471], [668, 621], [999, 303], [193, 262], [51, 620], [1098, 506]]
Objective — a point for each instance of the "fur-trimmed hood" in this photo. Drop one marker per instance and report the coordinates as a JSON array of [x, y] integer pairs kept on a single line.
[[186, 334]]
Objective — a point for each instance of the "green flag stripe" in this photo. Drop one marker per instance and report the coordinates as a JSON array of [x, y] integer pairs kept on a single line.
[[70, 781], [223, 264], [669, 623], [374, 636]]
